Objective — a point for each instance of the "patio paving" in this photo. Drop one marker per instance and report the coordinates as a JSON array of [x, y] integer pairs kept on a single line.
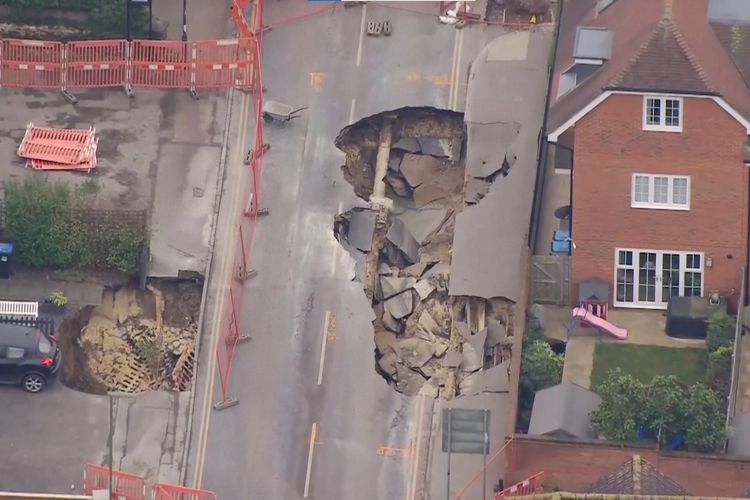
[[644, 327]]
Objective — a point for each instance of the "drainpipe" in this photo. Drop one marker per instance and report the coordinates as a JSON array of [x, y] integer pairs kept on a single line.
[[572, 160]]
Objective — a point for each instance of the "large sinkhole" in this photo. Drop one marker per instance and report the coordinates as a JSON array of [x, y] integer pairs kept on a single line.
[[425, 340], [135, 340]]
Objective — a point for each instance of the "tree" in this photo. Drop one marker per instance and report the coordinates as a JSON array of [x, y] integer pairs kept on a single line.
[[541, 367], [620, 413], [705, 429], [720, 331], [664, 410]]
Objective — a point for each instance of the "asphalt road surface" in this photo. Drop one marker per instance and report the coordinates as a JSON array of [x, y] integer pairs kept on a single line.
[[314, 419]]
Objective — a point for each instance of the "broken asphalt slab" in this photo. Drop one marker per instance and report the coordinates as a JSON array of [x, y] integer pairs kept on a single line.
[[490, 236], [422, 223], [361, 229], [399, 235]]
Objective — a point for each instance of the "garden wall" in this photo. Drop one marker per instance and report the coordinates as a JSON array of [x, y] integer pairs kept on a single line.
[[573, 465]]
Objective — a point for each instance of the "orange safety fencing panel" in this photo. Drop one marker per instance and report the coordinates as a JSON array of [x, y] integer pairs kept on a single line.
[[528, 486], [223, 63], [65, 146], [96, 63], [125, 486], [174, 492], [31, 63], [160, 64], [238, 17]]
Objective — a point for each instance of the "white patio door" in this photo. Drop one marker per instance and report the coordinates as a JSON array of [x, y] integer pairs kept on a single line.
[[648, 278]]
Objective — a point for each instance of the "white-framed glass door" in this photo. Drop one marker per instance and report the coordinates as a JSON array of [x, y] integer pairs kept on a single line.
[[648, 278]]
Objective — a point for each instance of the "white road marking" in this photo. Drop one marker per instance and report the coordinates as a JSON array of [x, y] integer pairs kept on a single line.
[[453, 68], [351, 111], [313, 433], [224, 283], [361, 35], [457, 83], [323, 347]]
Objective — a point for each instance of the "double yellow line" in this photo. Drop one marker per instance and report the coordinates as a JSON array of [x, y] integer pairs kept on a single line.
[[234, 200]]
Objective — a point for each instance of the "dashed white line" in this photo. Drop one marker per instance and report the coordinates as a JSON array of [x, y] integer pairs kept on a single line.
[[310, 452], [361, 35], [351, 111], [323, 347]]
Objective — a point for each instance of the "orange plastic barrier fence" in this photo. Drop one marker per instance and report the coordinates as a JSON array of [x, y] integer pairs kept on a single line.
[[125, 486], [65, 146], [98, 63], [160, 64], [528, 486], [223, 63], [31, 63], [174, 492]]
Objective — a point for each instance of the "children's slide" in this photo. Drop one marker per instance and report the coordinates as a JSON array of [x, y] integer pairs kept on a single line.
[[597, 322]]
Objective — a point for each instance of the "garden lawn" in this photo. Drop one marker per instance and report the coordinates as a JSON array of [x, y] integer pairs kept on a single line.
[[644, 362]]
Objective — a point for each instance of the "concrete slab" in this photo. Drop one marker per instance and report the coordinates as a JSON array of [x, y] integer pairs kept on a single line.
[[417, 169], [361, 229], [424, 288], [496, 332], [452, 359], [399, 235], [512, 47], [433, 146], [149, 436], [408, 144], [394, 285], [476, 189], [181, 223], [497, 378], [498, 225], [487, 145], [422, 223], [400, 305]]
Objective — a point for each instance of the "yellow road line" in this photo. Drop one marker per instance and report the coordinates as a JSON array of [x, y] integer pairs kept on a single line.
[[224, 283]]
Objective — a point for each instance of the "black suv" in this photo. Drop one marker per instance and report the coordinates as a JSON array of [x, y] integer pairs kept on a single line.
[[28, 357]]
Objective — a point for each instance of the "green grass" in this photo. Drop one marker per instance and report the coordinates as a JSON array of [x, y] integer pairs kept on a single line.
[[644, 362]]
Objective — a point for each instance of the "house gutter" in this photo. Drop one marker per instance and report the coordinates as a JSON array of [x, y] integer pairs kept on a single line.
[[542, 147]]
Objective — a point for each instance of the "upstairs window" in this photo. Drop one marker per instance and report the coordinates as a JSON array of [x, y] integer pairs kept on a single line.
[[670, 192], [663, 114]]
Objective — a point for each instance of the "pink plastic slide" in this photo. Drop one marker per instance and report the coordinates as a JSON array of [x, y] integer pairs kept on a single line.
[[597, 322]]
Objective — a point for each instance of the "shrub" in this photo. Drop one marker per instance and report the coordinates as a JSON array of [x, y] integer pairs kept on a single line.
[[720, 331], [719, 371], [45, 223]]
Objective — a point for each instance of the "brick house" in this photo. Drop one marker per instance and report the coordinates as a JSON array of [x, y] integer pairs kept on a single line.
[[650, 115]]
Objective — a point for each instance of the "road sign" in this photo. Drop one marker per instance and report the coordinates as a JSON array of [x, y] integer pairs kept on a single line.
[[466, 431]]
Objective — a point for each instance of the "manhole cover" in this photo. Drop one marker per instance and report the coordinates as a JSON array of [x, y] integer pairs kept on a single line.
[[197, 192]]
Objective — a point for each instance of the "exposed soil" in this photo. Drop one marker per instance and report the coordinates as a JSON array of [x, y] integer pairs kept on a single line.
[[134, 340]]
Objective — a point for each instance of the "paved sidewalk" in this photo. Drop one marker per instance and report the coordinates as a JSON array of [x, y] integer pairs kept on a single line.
[[508, 83]]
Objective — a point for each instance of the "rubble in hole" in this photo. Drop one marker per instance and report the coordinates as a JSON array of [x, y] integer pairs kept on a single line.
[[425, 340], [134, 340]]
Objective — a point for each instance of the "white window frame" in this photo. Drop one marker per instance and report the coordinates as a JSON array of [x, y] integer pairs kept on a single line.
[[658, 270], [670, 205], [662, 126]]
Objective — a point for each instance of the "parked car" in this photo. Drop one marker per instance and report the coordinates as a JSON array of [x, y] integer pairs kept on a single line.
[[28, 357]]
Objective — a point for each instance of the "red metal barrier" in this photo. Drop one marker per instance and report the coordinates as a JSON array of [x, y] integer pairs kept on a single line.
[[125, 486], [173, 492], [31, 63], [97, 63], [232, 327], [223, 63], [238, 16], [160, 64], [528, 486]]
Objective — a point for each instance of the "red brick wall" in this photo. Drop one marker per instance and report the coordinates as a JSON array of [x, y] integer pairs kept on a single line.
[[572, 466], [610, 146]]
